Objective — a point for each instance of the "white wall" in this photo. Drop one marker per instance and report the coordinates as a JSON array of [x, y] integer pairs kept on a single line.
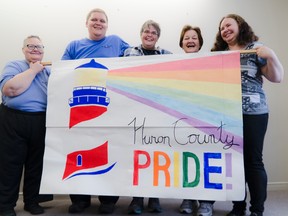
[[59, 22]]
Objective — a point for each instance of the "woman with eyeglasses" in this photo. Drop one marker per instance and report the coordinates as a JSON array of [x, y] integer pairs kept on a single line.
[[149, 34], [23, 85]]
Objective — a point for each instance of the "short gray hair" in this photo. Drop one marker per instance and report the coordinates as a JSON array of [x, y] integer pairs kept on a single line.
[[29, 37], [96, 10], [152, 23]]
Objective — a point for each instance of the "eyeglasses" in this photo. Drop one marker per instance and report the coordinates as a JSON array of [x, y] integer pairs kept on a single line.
[[154, 33], [32, 47]]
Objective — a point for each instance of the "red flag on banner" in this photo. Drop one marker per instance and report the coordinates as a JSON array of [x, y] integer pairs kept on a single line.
[[86, 159]]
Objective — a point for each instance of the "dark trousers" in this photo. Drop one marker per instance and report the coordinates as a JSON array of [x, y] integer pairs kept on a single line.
[[21, 146], [254, 130], [87, 198], [206, 201]]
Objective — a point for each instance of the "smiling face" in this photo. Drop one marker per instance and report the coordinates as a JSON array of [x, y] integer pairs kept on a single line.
[[33, 49], [97, 25], [229, 30], [190, 42], [149, 37]]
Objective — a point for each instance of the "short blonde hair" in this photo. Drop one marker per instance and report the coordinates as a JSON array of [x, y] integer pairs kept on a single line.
[[96, 10]]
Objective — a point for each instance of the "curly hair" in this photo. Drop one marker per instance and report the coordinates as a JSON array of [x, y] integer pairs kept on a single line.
[[187, 28], [245, 36]]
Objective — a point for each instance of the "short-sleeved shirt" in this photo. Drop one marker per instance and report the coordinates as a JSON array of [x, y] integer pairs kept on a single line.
[[139, 51], [109, 46], [253, 96], [34, 99]]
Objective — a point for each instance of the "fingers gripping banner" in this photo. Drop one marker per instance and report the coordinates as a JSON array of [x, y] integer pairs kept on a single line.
[[165, 126]]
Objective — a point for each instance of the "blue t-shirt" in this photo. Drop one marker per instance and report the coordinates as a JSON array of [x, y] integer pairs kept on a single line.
[[109, 46], [34, 99]]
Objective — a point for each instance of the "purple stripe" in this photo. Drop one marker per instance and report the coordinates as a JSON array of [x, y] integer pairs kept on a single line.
[[228, 157], [196, 123], [229, 186]]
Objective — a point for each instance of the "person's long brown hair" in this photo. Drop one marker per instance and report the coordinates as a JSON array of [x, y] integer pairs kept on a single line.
[[246, 34]]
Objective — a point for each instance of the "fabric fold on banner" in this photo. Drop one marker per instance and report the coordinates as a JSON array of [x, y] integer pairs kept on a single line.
[[171, 124]]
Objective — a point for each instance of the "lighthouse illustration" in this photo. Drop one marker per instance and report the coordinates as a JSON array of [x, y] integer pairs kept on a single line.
[[89, 94], [88, 102]]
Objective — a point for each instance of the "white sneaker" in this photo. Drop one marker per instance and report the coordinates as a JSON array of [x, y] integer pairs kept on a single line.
[[187, 206], [205, 209]]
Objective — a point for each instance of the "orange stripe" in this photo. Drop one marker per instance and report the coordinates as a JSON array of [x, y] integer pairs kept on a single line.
[[225, 76]]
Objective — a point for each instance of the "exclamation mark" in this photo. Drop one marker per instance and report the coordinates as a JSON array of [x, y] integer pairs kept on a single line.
[[228, 157]]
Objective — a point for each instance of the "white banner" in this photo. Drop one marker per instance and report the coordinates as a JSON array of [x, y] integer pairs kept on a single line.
[[154, 126]]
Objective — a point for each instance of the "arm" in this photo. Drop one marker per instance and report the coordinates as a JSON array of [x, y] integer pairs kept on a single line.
[[273, 70], [21, 82]]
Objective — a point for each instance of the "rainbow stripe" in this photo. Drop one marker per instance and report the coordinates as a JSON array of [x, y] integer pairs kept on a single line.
[[204, 91]]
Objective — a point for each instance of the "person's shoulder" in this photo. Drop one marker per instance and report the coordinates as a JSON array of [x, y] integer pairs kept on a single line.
[[254, 44], [132, 48], [127, 52], [16, 62], [78, 41], [163, 51], [133, 51], [114, 38], [166, 51], [15, 66]]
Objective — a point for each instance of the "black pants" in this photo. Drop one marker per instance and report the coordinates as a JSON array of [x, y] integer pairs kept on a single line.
[[255, 127], [87, 198], [22, 145]]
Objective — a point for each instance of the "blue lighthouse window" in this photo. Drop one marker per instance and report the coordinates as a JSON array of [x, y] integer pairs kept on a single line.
[[79, 160]]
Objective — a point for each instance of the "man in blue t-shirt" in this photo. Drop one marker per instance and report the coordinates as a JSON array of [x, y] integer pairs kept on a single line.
[[97, 45]]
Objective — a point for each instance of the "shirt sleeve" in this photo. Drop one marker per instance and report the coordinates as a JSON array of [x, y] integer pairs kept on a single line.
[[124, 47], [68, 52]]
